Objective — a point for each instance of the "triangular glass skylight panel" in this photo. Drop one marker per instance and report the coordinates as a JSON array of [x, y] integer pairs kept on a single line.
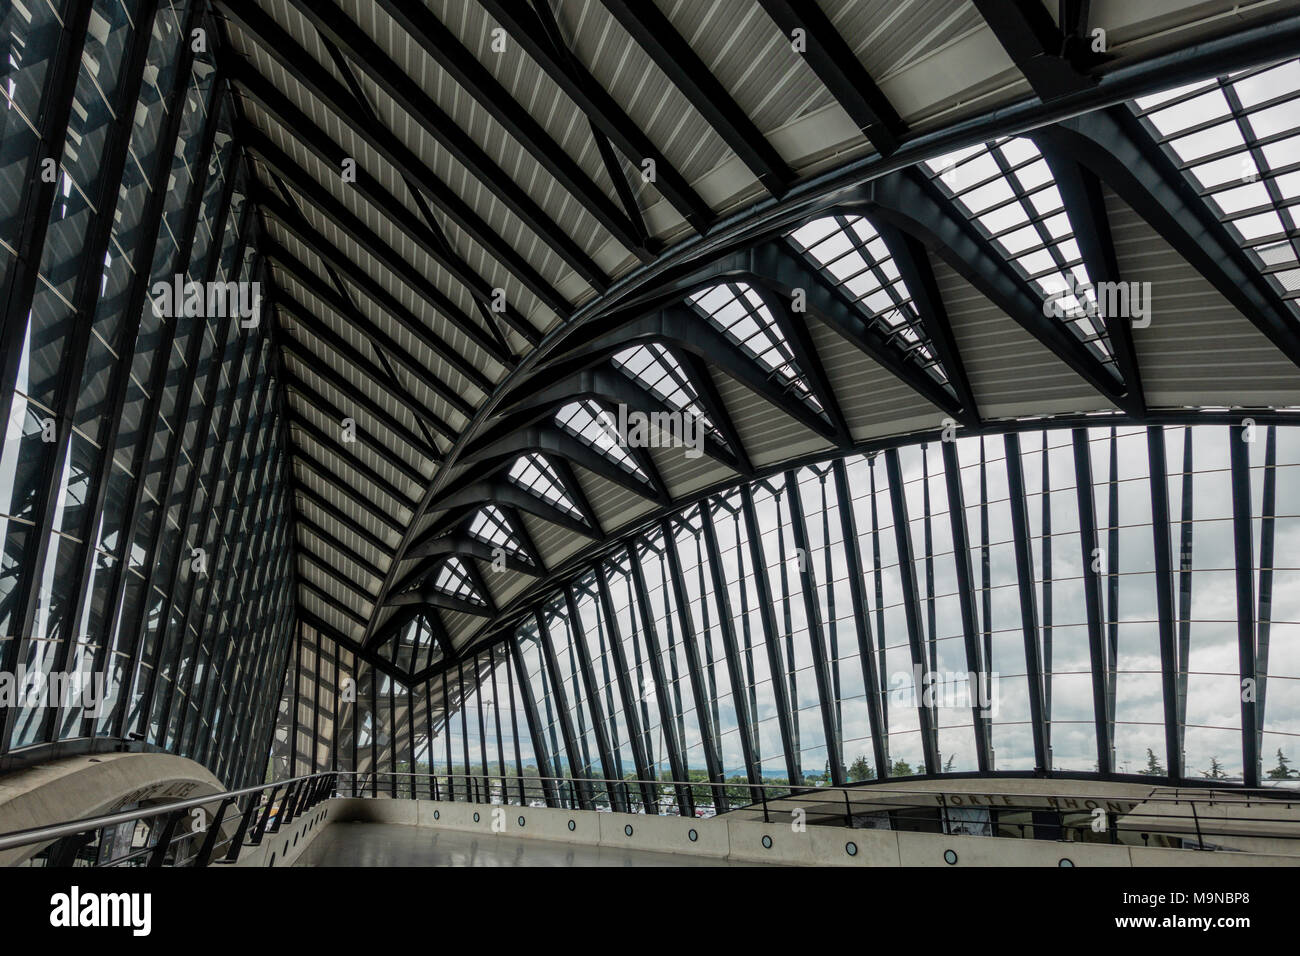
[[1237, 140], [851, 255], [491, 527], [591, 423], [534, 473], [1006, 188], [742, 315], [454, 579], [657, 370], [412, 645]]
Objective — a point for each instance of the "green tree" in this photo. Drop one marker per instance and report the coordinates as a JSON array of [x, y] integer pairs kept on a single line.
[[1153, 765], [860, 769], [1216, 770], [1283, 770], [901, 768]]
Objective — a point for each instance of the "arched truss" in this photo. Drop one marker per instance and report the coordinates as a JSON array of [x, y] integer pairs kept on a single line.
[[458, 318], [1051, 601]]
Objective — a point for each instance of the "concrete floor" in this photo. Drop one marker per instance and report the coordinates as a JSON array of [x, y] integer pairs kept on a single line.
[[393, 844]]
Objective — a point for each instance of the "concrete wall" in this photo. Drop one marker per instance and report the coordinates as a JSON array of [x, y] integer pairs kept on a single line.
[[749, 841], [283, 847], [76, 787]]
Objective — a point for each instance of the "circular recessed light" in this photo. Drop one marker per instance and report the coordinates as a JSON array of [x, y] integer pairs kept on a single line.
[[437, 815], [521, 821], [1065, 861], [572, 825], [851, 848], [476, 816], [692, 835], [950, 856], [628, 829], [767, 842]]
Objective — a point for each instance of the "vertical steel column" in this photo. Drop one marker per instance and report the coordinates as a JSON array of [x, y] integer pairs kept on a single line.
[[496, 720], [593, 701], [708, 731], [446, 736], [685, 802], [768, 616], [434, 789], [1244, 553], [861, 615], [464, 731], [514, 725], [293, 706], [544, 767], [966, 600], [552, 664], [1046, 622], [879, 582], [1089, 549], [744, 719], [623, 677], [986, 598], [1185, 545], [907, 572], [1112, 585], [1159, 481], [813, 610], [1028, 604], [374, 731], [1265, 614], [482, 729]]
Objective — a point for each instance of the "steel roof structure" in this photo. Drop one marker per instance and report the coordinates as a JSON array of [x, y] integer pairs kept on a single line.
[[484, 230]]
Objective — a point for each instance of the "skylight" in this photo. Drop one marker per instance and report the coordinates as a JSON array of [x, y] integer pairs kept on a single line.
[[1237, 140], [654, 368], [584, 419], [851, 254], [742, 315], [1006, 188], [534, 473], [491, 527], [453, 579]]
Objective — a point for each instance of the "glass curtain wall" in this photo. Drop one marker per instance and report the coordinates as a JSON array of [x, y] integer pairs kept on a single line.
[[1015, 603], [144, 530]]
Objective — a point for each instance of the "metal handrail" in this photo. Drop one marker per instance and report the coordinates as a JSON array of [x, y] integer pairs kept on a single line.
[[1184, 795], [17, 838], [295, 795]]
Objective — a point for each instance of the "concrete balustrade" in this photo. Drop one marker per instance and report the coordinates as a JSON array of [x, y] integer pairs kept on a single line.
[[742, 840]]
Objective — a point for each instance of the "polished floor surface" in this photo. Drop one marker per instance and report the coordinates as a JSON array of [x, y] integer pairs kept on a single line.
[[392, 844]]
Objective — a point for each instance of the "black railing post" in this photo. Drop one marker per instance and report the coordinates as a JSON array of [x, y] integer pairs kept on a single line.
[[245, 821], [210, 838], [165, 838]]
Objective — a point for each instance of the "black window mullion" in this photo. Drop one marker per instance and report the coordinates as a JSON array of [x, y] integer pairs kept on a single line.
[[911, 608], [1028, 600], [1089, 550], [1243, 553], [816, 626], [966, 600], [598, 714], [770, 632]]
